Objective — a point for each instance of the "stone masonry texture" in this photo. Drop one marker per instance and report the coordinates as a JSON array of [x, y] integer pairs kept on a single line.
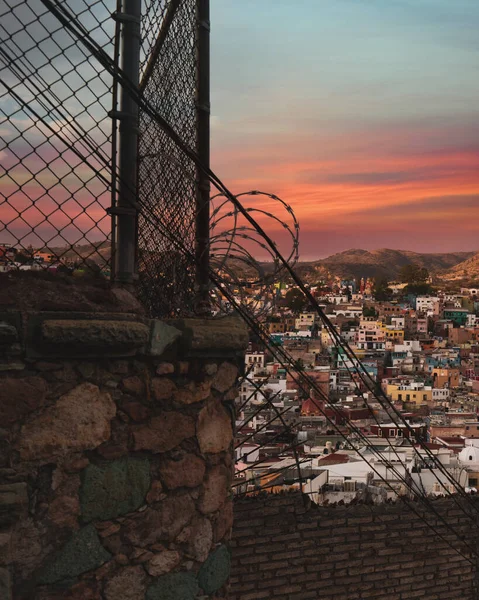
[[115, 471], [288, 549]]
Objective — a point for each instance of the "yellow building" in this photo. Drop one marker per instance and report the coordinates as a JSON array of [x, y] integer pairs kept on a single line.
[[392, 335], [274, 327], [399, 393]]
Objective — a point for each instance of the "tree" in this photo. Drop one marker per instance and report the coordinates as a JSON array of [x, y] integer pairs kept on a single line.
[[21, 258], [295, 300], [369, 311], [418, 289], [413, 274], [382, 291]]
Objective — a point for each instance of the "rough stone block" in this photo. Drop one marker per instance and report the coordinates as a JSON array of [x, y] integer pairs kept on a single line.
[[186, 472], [20, 397], [162, 388], [64, 511], [82, 553], [176, 586], [215, 431], [224, 522], [133, 385], [164, 432], [80, 420], [200, 539], [215, 490], [161, 337], [225, 377], [156, 492], [215, 571], [165, 368], [114, 489], [163, 563], [193, 392], [163, 522], [136, 411], [128, 584]]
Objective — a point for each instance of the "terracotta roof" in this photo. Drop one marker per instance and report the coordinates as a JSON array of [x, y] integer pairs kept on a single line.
[[311, 407]]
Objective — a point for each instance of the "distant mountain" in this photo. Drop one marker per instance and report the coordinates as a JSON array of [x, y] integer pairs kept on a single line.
[[349, 264], [383, 263], [467, 269]]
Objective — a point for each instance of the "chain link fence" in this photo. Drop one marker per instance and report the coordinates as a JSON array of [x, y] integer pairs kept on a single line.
[[56, 137], [61, 118], [167, 183]]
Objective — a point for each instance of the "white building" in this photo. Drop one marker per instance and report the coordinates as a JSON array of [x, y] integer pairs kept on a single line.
[[427, 304], [440, 394], [254, 361]]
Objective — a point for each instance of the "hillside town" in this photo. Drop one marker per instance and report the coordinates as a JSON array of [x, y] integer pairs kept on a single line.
[[422, 352], [416, 338]]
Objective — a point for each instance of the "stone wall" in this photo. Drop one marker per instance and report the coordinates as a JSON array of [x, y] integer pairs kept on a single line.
[[288, 549], [115, 456]]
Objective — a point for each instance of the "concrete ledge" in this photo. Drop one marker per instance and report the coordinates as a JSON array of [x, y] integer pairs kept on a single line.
[[85, 334], [80, 334], [94, 335], [212, 337]]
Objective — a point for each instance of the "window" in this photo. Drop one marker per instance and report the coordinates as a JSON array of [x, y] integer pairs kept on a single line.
[[392, 433], [424, 396], [380, 433], [470, 457], [399, 396], [472, 481], [408, 397], [399, 432]]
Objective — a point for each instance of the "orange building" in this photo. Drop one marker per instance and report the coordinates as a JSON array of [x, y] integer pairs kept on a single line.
[[445, 378]]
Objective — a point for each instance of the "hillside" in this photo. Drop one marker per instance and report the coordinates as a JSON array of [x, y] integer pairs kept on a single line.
[[467, 269], [385, 262], [350, 264]]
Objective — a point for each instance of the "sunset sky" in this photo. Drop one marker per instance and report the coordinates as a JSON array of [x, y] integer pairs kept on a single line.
[[362, 114]]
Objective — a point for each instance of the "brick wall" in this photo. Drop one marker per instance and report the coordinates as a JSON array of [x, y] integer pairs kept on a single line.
[[288, 549]]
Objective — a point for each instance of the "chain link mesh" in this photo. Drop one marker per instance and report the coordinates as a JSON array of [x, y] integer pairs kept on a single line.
[[56, 137], [167, 178], [58, 145]]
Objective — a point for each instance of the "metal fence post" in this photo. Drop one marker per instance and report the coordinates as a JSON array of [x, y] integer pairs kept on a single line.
[[125, 211], [203, 149]]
